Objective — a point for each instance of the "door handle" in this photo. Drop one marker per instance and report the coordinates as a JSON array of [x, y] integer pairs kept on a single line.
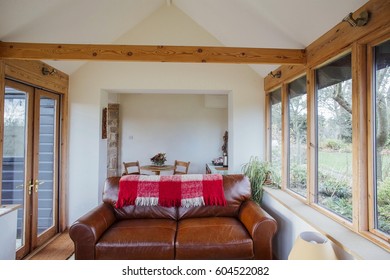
[[37, 183], [29, 187]]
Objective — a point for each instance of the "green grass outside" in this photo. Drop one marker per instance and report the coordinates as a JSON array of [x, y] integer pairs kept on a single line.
[[340, 162]]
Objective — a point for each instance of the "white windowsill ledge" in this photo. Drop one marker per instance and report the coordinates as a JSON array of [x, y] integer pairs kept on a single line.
[[351, 242]]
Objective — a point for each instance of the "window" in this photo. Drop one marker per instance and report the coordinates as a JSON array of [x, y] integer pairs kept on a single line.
[[297, 156], [334, 137], [334, 150], [276, 128], [381, 139]]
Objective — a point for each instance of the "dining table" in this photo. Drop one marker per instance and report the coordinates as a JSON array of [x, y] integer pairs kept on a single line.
[[157, 168]]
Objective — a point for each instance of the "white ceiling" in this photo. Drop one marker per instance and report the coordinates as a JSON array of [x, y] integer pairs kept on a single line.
[[234, 23]]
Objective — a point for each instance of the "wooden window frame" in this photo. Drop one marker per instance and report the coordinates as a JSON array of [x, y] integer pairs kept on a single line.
[[287, 135], [334, 43], [314, 147], [269, 124], [362, 186], [369, 230]]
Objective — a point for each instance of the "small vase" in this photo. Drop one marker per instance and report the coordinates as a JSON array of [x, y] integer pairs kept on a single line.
[[225, 160]]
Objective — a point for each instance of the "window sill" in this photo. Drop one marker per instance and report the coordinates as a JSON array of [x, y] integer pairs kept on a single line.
[[351, 242]]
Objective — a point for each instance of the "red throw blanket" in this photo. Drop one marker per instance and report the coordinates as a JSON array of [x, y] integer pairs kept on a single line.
[[171, 190]]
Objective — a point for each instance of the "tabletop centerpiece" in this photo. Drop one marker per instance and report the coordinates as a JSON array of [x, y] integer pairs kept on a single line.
[[159, 159]]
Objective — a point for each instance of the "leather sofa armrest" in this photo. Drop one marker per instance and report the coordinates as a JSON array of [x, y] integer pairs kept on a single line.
[[261, 226], [86, 231]]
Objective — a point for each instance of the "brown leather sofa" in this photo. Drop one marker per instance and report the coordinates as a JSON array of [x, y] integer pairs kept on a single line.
[[240, 230]]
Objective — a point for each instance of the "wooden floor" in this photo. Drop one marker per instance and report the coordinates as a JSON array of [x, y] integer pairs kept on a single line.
[[59, 248]]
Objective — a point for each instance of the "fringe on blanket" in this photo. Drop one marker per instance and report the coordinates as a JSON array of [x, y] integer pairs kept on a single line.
[[192, 202], [146, 201]]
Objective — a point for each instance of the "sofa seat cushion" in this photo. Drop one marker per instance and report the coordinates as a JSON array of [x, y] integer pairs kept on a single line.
[[138, 239], [213, 238]]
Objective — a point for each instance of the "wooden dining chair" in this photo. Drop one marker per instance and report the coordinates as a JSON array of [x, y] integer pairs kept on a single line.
[[131, 168], [181, 167]]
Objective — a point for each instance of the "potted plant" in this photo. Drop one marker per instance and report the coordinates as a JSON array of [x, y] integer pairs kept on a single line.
[[159, 159], [259, 173]]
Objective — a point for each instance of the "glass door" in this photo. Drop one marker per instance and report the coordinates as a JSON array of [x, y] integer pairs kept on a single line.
[[45, 168], [17, 154], [30, 163]]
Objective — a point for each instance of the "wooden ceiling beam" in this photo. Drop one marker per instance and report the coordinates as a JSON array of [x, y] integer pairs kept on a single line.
[[189, 54]]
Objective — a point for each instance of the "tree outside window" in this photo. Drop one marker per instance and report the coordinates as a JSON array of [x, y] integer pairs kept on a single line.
[[334, 137], [382, 137], [297, 155], [276, 129]]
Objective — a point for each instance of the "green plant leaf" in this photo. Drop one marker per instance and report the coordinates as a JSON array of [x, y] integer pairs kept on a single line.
[[258, 173]]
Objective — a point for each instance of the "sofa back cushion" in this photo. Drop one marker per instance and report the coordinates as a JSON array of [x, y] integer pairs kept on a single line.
[[110, 196], [236, 189]]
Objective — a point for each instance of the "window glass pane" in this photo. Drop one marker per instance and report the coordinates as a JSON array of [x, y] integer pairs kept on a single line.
[[382, 139], [297, 109], [334, 137], [276, 129], [46, 172]]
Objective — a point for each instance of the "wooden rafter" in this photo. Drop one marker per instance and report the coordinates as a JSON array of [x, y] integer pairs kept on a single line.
[[192, 54]]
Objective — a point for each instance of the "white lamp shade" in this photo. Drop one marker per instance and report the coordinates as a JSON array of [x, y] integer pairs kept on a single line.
[[312, 246]]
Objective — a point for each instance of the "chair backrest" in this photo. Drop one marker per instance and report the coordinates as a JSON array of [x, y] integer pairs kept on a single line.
[[181, 167], [131, 168]]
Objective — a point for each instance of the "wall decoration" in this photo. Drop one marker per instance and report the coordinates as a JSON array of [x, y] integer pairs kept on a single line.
[[104, 124]]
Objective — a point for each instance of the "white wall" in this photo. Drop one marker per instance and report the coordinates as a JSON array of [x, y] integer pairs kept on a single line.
[[289, 227], [94, 79], [179, 125]]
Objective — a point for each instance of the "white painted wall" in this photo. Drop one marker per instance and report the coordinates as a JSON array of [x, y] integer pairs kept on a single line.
[[94, 79], [179, 125], [289, 227]]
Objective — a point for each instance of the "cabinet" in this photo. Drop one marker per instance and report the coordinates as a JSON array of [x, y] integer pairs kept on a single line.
[[213, 169]]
